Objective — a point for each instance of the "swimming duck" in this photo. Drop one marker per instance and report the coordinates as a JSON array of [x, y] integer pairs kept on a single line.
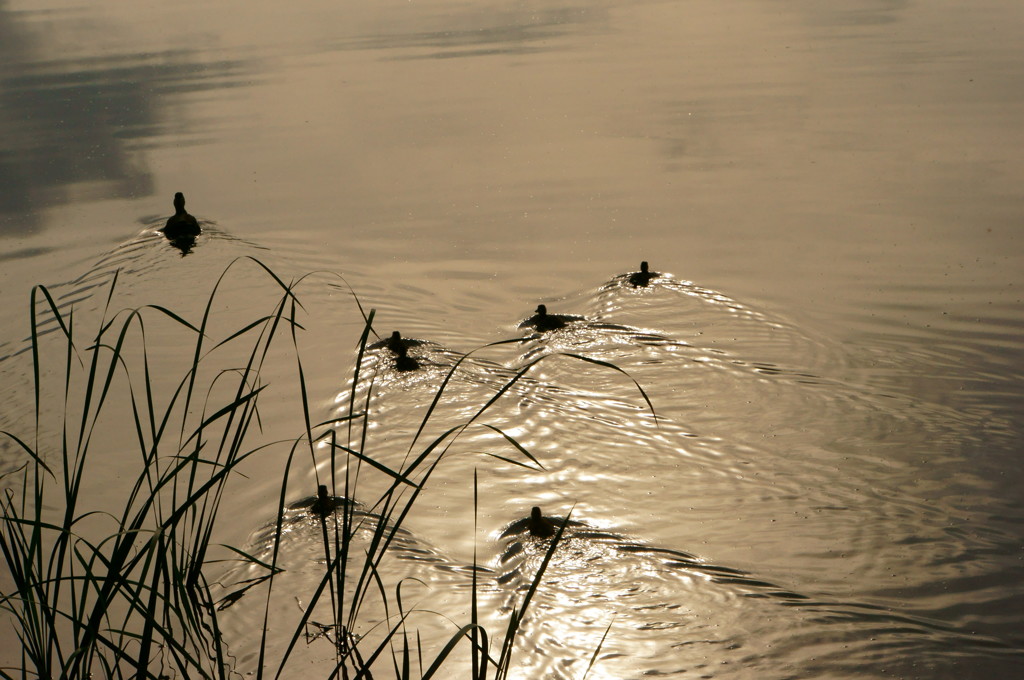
[[181, 225], [396, 344], [324, 504], [394, 340], [641, 278], [399, 346], [540, 526], [545, 322]]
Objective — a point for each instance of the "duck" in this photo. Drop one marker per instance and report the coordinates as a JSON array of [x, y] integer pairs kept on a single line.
[[393, 341], [544, 322], [396, 344], [399, 346], [324, 504], [641, 278], [181, 225], [539, 525]]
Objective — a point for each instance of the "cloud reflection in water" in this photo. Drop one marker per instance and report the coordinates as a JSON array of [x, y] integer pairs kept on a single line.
[[74, 128]]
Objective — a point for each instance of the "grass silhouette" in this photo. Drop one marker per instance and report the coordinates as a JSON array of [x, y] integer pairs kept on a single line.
[[138, 600]]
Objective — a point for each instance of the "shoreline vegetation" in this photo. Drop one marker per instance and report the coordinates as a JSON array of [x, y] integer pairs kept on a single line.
[[133, 592]]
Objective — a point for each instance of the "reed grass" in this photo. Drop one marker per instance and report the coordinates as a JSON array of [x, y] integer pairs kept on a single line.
[[135, 598]]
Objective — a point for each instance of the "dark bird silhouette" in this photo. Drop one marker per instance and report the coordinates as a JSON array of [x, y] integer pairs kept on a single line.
[[399, 346], [181, 228], [545, 322], [396, 344], [540, 526], [324, 504], [181, 224], [641, 278], [393, 341]]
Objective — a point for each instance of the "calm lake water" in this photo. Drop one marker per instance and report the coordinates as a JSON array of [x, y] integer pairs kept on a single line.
[[830, 483]]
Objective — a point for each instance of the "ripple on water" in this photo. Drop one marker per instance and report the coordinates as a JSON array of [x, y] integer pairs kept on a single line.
[[668, 609], [784, 504]]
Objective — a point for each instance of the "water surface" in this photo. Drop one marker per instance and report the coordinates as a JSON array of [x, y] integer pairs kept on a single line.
[[829, 482]]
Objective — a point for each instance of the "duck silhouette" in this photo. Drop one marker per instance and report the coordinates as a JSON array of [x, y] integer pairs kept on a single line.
[[181, 228], [544, 322], [396, 344], [641, 278], [324, 504], [181, 224], [399, 346], [393, 341], [539, 525]]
